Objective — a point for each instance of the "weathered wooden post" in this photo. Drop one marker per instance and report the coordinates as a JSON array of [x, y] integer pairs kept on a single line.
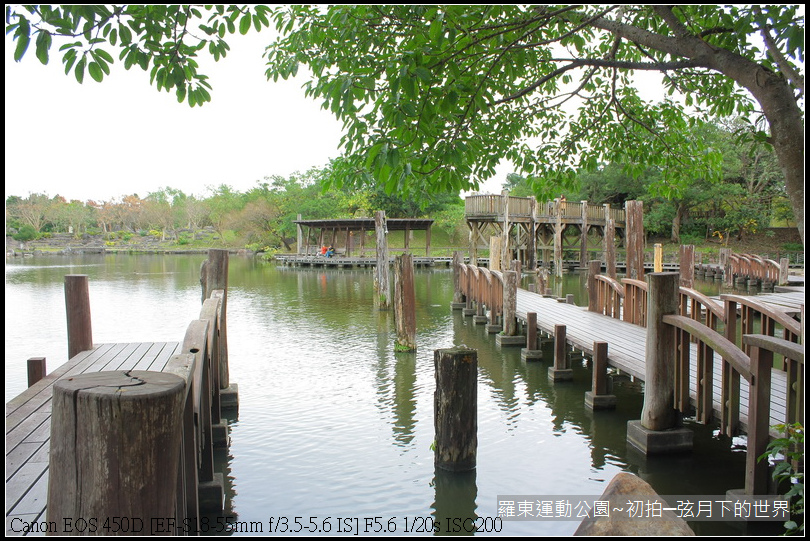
[[658, 430], [784, 265], [214, 277], [77, 306], [115, 450], [531, 352], [558, 235], [610, 246], [634, 239], [531, 239], [598, 398], [404, 303], [594, 267], [561, 371], [584, 226], [458, 295], [382, 285], [658, 257], [542, 280], [687, 265], [36, 369], [299, 236], [495, 247], [725, 264], [510, 336], [456, 409]]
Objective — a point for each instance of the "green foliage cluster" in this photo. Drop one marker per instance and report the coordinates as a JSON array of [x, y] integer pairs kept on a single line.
[[788, 455], [25, 234]]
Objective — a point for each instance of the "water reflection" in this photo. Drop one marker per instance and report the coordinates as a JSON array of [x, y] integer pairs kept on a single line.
[[332, 422]]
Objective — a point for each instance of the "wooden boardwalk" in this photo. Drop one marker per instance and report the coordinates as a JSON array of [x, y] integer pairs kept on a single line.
[[28, 423], [627, 346]]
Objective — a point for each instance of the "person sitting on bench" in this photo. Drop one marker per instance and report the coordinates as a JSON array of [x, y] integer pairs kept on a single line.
[[331, 251]]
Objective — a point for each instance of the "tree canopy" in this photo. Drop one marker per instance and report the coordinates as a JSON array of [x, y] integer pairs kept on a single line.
[[433, 97]]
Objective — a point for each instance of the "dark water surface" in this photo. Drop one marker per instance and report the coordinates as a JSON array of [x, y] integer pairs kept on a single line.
[[334, 428]]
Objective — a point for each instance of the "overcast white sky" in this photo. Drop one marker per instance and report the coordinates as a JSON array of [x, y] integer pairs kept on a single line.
[[122, 137], [119, 137]]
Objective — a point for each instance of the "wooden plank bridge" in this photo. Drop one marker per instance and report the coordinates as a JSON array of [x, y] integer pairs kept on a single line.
[[186, 487], [730, 377]]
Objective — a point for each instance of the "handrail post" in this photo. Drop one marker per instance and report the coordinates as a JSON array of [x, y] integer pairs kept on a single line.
[[658, 431], [594, 266], [759, 400]]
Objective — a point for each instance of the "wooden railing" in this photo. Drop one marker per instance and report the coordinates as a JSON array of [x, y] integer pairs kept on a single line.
[[758, 268], [635, 302], [482, 288], [627, 300], [755, 369], [199, 366], [493, 205], [609, 297]]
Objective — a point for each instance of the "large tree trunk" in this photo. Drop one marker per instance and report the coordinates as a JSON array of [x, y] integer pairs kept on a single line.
[[680, 210], [771, 90]]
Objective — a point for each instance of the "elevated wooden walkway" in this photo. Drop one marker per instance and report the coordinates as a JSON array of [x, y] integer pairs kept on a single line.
[[627, 346]]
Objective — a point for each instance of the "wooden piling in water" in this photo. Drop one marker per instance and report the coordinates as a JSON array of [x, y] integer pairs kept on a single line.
[[382, 285], [561, 371], [531, 352], [456, 409], [594, 267], [686, 265], [598, 398], [458, 295], [404, 303], [122, 432], [657, 431], [77, 305], [610, 244], [634, 239], [510, 336]]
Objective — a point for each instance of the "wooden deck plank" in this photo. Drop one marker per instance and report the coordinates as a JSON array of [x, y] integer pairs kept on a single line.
[[627, 347]]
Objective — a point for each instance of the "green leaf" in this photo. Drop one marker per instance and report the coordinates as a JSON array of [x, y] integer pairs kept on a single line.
[[95, 72], [244, 24], [43, 46], [23, 38], [79, 72]]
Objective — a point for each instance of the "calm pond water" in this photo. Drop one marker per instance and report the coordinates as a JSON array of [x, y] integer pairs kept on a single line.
[[332, 424]]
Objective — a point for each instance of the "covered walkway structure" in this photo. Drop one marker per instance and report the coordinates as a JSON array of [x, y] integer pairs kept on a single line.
[[348, 236]]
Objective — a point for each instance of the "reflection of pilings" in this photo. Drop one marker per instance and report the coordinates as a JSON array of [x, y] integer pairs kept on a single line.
[[404, 399], [456, 493]]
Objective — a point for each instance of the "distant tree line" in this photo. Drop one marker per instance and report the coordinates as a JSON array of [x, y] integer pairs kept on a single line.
[[262, 216], [750, 196]]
